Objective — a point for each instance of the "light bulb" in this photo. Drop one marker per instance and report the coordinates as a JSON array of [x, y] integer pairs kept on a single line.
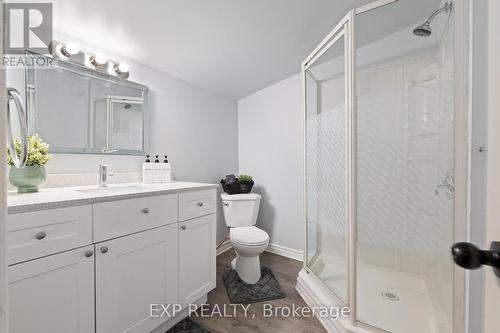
[[123, 68], [98, 59], [70, 49]]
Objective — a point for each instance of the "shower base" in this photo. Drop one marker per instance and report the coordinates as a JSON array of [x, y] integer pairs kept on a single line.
[[394, 301]]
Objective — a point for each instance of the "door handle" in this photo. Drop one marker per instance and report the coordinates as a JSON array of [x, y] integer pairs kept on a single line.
[[469, 256]]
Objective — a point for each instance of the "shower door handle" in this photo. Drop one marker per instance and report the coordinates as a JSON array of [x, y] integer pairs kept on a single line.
[[469, 256]]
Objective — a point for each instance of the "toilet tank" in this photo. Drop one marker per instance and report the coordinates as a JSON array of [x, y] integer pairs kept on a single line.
[[240, 210]]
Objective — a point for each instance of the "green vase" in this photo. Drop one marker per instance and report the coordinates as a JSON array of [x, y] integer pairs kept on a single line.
[[28, 178]]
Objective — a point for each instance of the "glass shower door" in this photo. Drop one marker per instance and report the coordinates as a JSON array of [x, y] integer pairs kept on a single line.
[[405, 171], [326, 164]]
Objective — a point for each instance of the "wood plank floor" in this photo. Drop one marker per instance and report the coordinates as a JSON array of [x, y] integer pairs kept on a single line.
[[286, 271]]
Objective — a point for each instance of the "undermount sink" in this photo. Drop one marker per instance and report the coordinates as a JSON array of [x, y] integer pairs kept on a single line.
[[111, 189]]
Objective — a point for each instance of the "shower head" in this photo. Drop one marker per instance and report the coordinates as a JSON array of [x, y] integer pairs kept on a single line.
[[424, 30]]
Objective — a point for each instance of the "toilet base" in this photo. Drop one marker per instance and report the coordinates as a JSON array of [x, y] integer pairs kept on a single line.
[[248, 268], [233, 263]]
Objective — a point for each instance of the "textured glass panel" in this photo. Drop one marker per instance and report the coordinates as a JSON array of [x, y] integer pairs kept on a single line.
[[326, 168], [405, 169]]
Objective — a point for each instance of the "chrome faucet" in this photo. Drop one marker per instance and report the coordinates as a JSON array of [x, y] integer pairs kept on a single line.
[[104, 172]]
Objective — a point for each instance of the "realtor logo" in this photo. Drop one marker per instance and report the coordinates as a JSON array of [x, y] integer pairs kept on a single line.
[[28, 26]]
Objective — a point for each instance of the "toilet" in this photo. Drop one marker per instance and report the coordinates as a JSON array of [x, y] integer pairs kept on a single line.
[[248, 241]]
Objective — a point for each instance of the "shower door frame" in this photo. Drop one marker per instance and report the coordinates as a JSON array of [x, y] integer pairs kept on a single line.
[[461, 156], [342, 29]]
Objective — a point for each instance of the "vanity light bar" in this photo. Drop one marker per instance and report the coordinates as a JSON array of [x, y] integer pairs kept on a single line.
[[99, 62]]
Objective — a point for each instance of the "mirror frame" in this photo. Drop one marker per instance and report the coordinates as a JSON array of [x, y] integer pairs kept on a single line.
[[32, 112]]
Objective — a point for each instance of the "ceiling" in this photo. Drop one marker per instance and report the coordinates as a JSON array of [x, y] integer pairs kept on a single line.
[[230, 47]]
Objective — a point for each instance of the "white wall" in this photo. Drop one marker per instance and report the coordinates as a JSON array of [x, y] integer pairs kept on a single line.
[[270, 141]]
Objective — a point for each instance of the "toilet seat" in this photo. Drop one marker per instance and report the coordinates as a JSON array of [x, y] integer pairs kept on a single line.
[[249, 236]]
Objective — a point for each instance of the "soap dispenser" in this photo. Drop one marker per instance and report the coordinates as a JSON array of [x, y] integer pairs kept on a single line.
[[166, 171], [147, 171], [157, 170]]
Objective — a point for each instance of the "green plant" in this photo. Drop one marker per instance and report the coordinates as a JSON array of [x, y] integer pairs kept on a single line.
[[245, 178], [38, 151]]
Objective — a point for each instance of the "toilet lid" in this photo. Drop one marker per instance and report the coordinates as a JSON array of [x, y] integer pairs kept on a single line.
[[248, 235]]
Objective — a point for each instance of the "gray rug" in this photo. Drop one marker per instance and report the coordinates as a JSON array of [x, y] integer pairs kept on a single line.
[[188, 326], [266, 289]]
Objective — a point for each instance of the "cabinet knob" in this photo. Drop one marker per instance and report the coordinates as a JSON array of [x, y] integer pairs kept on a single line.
[[183, 227], [40, 235], [200, 204], [145, 210], [89, 253], [104, 249]]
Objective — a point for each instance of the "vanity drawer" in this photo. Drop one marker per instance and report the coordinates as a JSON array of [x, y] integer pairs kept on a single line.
[[196, 203], [37, 234], [118, 218]]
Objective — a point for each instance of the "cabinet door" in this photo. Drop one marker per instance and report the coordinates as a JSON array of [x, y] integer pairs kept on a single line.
[[132, 273], [196, 258], [54, 294]]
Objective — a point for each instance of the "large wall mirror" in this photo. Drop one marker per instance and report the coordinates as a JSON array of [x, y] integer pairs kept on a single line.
[[78, 110]]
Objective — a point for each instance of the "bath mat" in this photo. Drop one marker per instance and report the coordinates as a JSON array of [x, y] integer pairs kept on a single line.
[[266, 289], [188, 326]]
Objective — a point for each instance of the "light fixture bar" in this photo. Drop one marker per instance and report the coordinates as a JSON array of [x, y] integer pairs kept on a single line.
[[99, 62]]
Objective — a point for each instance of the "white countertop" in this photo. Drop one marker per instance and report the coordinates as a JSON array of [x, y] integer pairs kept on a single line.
[[49, 198]]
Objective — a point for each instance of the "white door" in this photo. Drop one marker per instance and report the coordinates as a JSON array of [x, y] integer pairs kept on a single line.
[[196, 258], [132, 273], [492, 283], [54, 294]]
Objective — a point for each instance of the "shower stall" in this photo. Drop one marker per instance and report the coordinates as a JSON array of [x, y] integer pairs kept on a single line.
[[385, 151]]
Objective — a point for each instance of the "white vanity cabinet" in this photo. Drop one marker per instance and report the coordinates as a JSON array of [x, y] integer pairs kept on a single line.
[[197, 244], [118, 218], [45, 232], [131, 273], [100, 266], [197, 274], [54, 294]]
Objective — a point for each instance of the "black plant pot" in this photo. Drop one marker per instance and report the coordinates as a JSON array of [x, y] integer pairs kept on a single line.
[[231, 187], [246, 187]]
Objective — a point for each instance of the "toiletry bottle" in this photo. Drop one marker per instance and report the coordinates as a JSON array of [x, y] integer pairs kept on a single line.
[[166, 171], [147, 171], [157, 173]]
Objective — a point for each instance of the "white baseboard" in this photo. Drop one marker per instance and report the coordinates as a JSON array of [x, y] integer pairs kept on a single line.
[[272, 248], [224, 247], [285, 252]]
